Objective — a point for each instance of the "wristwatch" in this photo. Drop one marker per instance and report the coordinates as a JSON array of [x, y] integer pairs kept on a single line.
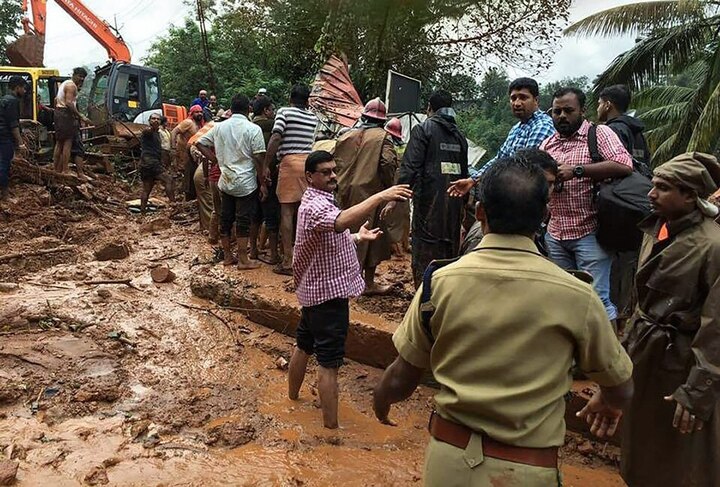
[[579, 171]]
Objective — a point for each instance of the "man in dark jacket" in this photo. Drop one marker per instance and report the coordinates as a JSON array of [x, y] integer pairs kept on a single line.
[[613, 102], [436, 156]]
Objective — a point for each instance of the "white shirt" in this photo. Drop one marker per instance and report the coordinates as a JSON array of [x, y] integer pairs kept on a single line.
[[61, 100], [236, 140]]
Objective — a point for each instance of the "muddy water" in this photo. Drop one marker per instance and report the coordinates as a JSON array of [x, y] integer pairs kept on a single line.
[[186, 405]]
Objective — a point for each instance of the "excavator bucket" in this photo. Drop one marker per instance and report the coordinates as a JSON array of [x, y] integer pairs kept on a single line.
[[27, 51]]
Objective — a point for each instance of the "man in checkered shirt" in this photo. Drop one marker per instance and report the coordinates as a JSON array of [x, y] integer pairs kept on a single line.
[[571, 237], [327, 272]]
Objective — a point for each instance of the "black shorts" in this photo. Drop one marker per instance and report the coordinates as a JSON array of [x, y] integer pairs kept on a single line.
[[150, 168], [323, 330], [77, 149]]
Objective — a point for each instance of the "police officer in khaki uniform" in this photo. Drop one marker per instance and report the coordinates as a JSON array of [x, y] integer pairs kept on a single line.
[[499, 328]]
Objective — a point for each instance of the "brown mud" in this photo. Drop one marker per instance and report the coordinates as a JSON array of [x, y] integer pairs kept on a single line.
[[137, 383]]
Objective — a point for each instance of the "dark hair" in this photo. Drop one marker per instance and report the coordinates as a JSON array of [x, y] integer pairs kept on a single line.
[[525, 83], [315, 158], [240, 104], [16, 81], [300, 94], [571, 90], [80, 71], [261, 103], [163, 120], [440, 99], [618, 95], [514, 195], [538, 158]]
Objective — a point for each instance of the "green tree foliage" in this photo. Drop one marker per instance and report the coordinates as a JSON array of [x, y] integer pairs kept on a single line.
[[10, 15], [675, 38], [547, 90], [286, 41]]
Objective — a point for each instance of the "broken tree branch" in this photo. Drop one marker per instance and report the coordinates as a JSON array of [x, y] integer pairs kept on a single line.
[[35, 253], [127, 282]]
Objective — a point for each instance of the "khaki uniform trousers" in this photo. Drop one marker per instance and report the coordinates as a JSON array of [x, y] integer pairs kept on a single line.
[[449, 466]]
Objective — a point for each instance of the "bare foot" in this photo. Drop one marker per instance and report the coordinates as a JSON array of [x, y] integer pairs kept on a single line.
[[253, 264], [230, 261], [377, 290]]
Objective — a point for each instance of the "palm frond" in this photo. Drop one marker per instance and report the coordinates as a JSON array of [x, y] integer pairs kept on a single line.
[[665, 151], [665, 114], [658, 96], [664, 51], [705, 134], [638, 17]]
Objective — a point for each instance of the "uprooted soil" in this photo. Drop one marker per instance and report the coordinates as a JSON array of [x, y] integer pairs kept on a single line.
[[139, 383]]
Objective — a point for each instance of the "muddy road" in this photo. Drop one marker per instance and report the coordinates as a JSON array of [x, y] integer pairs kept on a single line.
[[136, 383]]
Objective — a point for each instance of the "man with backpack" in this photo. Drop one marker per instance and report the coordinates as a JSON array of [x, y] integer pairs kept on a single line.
[[613, 102], [571, 239]]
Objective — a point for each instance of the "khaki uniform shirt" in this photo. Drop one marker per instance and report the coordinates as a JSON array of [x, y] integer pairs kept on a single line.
[[507, 325]]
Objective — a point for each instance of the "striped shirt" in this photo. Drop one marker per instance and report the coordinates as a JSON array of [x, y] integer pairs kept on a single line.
[[297, 128], [325, 263]]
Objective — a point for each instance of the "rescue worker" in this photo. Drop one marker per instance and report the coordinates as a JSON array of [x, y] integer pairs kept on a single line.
[[366, 164], [671, 434], [67, 120], [179, 138], [397, 221], [497, 419], [435, 157]]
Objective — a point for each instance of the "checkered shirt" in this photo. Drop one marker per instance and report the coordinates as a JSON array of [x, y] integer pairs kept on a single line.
[[325, 263], [523, 135], [572, 212]]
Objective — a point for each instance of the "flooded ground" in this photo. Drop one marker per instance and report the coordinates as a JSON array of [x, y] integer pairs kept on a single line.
[[142, 384]]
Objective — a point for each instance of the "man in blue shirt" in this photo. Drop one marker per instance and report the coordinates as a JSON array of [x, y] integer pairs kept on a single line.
[[201, 100], [533, 128]]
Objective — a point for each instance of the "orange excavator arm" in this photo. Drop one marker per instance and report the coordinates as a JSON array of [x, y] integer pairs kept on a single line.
[[99, 29]]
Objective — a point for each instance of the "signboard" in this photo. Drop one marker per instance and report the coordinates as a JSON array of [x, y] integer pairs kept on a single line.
[[402, 94]]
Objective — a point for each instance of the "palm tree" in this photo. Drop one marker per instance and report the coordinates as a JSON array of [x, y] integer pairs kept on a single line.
[[674, 37]]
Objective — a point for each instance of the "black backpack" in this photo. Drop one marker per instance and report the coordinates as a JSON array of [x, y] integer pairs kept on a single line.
[[621, 203]]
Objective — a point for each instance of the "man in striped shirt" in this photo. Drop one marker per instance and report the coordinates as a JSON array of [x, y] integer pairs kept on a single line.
[[291, 141]]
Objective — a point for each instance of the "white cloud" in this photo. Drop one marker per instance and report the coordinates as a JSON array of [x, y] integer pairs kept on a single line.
[[140, 22]]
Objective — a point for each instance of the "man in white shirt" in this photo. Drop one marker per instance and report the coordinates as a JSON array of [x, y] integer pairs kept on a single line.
[[240, 154]]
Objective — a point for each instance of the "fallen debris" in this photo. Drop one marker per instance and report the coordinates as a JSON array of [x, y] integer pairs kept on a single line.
[[8, 287], [35, 253], [113, 251], [281, 363], [162, 274], [8, 471]]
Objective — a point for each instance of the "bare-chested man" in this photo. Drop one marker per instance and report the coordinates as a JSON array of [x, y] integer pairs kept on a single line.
[[67, 122], [179, 141]]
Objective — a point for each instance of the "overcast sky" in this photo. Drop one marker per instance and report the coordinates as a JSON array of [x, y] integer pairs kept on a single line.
[[142, 21]]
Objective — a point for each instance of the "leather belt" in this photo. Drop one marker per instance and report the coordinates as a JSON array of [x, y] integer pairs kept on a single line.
[[458, 436]]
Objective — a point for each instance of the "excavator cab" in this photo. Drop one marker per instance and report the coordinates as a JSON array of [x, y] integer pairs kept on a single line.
[[129, 92]]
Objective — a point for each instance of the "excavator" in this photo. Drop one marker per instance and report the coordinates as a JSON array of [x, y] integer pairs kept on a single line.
[[120, 91]]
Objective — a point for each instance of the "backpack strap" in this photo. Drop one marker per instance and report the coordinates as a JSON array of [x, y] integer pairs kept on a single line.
[[593, 144], [427, 309]]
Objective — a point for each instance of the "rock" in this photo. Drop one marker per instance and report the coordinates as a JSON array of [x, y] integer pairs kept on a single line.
[[155, 225], [281, 363], [585, 448], [8, 287], [8, 471], [162, 273], [96, 476], [104, 293], [112, 251]]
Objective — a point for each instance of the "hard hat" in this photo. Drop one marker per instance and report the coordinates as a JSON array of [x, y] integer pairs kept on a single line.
[[394, 128], [375, 108]]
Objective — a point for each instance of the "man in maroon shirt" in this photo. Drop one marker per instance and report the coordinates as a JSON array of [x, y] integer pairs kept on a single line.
[[327, 273]]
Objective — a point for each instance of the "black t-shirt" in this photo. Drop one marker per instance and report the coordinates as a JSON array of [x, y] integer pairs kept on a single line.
[[150, 144], [9, 116]]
